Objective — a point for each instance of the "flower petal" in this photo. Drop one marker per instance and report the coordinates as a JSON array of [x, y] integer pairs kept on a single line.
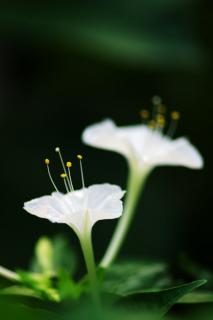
[[179, 152], [105, 135], [48, 207], [104, 202], [61, 208], [143, 146], [79, 209]]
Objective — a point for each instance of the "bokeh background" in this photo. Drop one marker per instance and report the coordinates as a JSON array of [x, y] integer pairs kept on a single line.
[[64, 66]]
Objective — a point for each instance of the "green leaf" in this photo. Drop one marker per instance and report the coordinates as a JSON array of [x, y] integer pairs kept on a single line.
[[50, 280], [195, 270], [11, 310], [125, 277], [19, 291], [158, 301], [41, 284], [197, 297], [67, 288]]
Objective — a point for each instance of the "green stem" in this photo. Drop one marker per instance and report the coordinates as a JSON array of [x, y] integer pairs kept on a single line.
[[87, 248], [135, 184]]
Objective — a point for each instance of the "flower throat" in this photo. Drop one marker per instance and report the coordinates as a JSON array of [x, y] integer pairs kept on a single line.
[[156, 120]]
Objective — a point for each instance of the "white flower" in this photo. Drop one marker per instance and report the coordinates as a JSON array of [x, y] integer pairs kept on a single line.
[[143, 146], [79, 209]]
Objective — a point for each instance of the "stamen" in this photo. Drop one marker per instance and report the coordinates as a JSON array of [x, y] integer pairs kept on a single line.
[[144, 114], [69, 165], [79, 156], [161, 121], [64, 176], [175, 116], [47, 162], [57, 149], [152, 124], [161, 108], [157, 102]]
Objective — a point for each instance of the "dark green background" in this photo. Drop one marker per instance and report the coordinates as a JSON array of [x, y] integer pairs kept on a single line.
[[63, 67]]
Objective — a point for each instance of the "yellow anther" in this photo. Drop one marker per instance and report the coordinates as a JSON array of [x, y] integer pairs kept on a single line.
[[161, 108], [152, 124], [79, 156], [63, 175], [175, 115], [47, 161], [69, 164], [144, 114], [162, 122], [160, 119]]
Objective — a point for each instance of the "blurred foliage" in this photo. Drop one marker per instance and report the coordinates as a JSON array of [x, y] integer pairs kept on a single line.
[[128, 276], [158, 302], [52, 255], [137, 287], [137, 33], [51, 273], [195, 270], [12, 310]]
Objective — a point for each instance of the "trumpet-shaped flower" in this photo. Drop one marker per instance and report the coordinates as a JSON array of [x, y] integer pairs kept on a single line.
[[79, 209], [143, 146]]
